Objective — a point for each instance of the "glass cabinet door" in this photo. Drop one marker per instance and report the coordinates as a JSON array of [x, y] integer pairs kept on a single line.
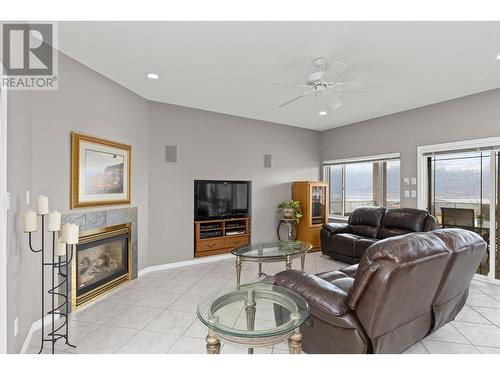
[[318, 204]]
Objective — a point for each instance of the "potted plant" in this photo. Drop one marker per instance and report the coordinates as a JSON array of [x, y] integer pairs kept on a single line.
[[290, 210]]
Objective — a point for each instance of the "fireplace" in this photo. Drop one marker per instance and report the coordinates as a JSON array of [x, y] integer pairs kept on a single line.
[[102, 262]]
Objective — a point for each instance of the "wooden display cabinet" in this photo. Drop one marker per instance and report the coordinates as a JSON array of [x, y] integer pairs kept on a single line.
[[216, 236], [313, 198]]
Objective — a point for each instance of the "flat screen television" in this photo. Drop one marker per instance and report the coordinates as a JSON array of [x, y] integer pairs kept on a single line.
[[221, 199]]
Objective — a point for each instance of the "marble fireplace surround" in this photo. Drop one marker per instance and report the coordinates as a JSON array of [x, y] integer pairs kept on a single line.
[[87, 220]]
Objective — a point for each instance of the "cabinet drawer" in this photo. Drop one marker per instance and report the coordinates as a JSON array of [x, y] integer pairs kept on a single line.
[[210, 245], [235, 241]]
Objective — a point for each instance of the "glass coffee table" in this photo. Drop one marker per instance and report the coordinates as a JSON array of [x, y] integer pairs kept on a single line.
[[267, 252], [256, 315]]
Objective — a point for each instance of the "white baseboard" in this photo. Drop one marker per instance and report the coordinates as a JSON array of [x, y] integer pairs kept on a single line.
[[35, 327], [161, 267]]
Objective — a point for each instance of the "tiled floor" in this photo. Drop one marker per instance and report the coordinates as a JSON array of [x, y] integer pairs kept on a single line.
[[156, 313]]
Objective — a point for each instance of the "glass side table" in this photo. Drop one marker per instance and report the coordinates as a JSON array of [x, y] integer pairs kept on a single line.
[[255, 315], [280, 251]]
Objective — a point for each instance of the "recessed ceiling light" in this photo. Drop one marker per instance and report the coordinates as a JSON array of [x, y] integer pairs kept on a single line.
[[152, 76], [498, 56], [322, 113]]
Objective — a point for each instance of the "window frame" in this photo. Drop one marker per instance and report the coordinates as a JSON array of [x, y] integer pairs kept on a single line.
[[381, 161]]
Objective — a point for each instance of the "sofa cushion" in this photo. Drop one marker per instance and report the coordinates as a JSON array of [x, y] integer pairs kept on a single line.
[[361, 245], [350, 270], [365, 221], [334, 228], [399, 221], [338, 278], [343, 243]]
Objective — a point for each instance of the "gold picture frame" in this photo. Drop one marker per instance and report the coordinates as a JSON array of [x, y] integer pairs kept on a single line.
[[100, 171]]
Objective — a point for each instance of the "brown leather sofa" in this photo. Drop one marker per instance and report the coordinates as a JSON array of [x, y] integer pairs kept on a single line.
[[404, 288], [347, 242]]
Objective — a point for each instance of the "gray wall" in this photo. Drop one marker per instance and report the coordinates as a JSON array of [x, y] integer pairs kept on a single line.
[[471, 117], [39, 127], [218, 146]]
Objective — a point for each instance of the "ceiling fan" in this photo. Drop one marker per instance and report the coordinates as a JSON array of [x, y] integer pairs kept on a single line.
[[324, 90]]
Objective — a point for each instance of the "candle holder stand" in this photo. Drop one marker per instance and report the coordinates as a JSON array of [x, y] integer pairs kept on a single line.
[[58, 289]]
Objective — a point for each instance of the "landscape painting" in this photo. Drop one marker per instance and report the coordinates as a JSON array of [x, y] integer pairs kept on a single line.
[[103, 172], [100, 172]]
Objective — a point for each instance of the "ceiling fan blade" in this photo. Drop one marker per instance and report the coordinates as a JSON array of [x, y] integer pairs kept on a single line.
[[294, 99], [356, 85], [289, 85], [330, 100], [334, 70]]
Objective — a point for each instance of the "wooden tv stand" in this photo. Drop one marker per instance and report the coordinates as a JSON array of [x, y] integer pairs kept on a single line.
[[214, 236]]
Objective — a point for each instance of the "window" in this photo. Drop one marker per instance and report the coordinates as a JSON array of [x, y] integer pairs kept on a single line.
[[460, 181], [362, 183]]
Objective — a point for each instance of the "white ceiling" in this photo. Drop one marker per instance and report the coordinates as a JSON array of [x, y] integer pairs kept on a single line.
[[227, 66]]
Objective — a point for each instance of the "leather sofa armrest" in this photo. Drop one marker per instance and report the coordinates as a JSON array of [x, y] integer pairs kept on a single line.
[[335, 228], [319, 293], [431, 223]]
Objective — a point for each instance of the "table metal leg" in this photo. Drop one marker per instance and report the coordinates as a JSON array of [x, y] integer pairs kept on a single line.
[[302, 262], [250, 312], [288, 262], [238, 272], [295, 342], [260, 269], [213, 343]]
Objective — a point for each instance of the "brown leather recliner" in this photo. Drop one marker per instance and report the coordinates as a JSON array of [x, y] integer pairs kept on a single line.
[[347, 242], [404, 288]]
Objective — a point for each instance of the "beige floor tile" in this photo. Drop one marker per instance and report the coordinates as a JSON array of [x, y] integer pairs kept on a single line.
[[197, 329], [104, 340], [127, 296], [160, 300], [228, 348], [480, 334], [488, 350], [187, 302], [46, 350], [189, 345], [171, 322], [99, 313], [136, 317], [492, 315], [439, 347], [418, 348], [176, 286], [77, 331], [470, 315], [480, 300], [148, 343], [447, 333]]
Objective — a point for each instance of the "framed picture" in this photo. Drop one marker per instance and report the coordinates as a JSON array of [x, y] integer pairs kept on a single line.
[[100, 171]]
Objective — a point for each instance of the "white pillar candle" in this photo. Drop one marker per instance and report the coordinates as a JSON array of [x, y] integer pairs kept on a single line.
[[30, 222], [70, 233], [59, 248], [42, 205], [54, 221]]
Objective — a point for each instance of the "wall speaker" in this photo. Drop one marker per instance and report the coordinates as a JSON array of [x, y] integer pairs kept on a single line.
[[267, 160], [171, 154]]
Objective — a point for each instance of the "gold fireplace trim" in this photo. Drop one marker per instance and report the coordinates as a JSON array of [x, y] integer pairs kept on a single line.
[[94, 235]]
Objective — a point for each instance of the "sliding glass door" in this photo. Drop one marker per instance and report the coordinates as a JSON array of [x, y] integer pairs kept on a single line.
[[463, 192]]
